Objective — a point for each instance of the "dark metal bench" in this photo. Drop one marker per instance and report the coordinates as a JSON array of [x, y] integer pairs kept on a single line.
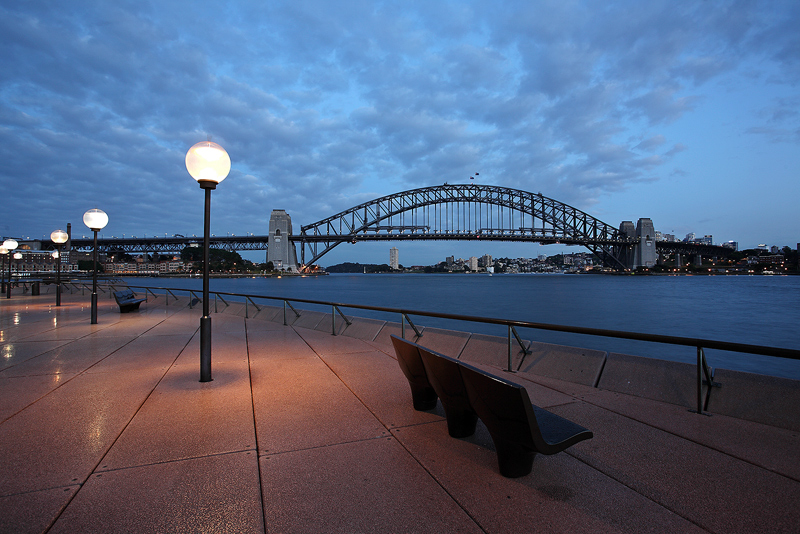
[[445, 377], [422, 393], [519, 429], [127, 300]]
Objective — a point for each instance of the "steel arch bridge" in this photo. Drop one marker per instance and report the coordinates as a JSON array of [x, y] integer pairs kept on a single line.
[[465, 212]]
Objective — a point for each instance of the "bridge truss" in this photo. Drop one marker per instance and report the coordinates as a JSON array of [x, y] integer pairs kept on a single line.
[[465, 212], [175, 244]]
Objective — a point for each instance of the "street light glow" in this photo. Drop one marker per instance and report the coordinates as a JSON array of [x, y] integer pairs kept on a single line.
[[95, 219], [208, 163]]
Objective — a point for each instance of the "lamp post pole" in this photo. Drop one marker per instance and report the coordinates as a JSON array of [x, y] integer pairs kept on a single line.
[[4, 252], [59, 237], [209, 164], [10, 245], [95, 220]]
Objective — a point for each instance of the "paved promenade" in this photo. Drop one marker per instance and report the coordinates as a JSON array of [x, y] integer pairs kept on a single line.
[[106, 428]]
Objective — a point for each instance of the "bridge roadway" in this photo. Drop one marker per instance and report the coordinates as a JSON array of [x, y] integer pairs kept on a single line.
[[143, 245], [105, 428]]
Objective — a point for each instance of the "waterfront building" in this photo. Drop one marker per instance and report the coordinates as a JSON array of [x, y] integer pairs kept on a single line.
[[473, 263], [394, 258]]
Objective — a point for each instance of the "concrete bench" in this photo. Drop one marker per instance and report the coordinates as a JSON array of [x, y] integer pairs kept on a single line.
[[127, 300], [518, 428]]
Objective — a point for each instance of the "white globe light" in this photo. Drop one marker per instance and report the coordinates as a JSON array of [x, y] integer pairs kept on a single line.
[[18, 255], [208, 162], [3, 250], [10, 244], [95, 219], [59, 236]]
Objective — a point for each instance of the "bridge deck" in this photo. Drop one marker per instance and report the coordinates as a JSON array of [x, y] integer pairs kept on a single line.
[[105, 428]]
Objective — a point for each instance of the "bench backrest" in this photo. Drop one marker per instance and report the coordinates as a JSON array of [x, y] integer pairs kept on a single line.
[[124, 294], [445, 376], [503, 406], [410, 362]]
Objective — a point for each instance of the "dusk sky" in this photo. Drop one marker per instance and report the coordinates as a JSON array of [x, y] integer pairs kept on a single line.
[[684, 112]]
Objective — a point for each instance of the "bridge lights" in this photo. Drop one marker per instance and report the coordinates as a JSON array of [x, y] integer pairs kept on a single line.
[[95, 220], [59, 237], [10, 245], [209, 164]]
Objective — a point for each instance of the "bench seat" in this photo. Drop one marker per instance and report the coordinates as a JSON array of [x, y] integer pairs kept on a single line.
[[127, 300], [518, 428]]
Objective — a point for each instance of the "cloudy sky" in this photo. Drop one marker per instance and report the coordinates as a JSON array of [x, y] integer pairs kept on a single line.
[[684, 112]]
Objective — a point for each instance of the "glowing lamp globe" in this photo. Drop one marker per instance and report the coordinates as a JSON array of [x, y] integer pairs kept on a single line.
[[95, 219], [208, 163], [3, 250], [10, 244], [59, 237], [18, 255]]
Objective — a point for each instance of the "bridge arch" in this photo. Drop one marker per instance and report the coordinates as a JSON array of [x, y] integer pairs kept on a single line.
[[465, 212]]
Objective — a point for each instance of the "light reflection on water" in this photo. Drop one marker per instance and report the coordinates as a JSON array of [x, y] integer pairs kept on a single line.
[[758, 310]]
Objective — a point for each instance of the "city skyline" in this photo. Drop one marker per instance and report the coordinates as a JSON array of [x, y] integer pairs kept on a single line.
[[686, 114]]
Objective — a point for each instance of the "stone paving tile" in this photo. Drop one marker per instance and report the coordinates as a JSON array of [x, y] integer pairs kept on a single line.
[[366, 486], [20, 391], [324, 343], [66, 433], [770, 447], [376, 379], [32, 513], [69, 359], [186, 418], [211, 494], [561, 494], [300, 403], [14, 353], [696, 482]]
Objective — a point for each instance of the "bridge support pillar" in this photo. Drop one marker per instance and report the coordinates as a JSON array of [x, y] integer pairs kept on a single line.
[[281, 251], [697, 260], [645, 255], [678, 262]]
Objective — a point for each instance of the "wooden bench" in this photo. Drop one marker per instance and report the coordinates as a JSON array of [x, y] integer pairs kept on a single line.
[[518, 428], [127, 300]]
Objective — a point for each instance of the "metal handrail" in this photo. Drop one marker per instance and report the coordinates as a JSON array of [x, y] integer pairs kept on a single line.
[[703, 370]]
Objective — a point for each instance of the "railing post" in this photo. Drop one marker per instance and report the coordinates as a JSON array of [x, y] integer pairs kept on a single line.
[[333, 319], [509, 349], [700, 380], [403, 325], [284, 313]]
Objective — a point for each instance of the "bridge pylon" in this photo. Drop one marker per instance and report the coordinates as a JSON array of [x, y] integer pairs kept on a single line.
[[281, 251]]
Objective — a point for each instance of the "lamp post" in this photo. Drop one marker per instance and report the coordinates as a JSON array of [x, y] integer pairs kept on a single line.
[[209, 164], [18, 257], [59, 237], [10, 245], [4, 253], [95, 220]]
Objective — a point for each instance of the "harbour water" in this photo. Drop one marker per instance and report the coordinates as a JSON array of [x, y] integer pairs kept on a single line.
[[758, 310]]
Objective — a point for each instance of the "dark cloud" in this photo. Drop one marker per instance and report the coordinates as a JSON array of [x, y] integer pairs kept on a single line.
[[323, 105]]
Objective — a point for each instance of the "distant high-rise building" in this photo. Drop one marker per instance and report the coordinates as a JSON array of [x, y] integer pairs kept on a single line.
[[473, 263], [689, 237], [486, 261], [394, 257], [450, 260]]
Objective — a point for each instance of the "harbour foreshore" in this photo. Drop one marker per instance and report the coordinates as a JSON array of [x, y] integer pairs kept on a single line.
[[106, 428]]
